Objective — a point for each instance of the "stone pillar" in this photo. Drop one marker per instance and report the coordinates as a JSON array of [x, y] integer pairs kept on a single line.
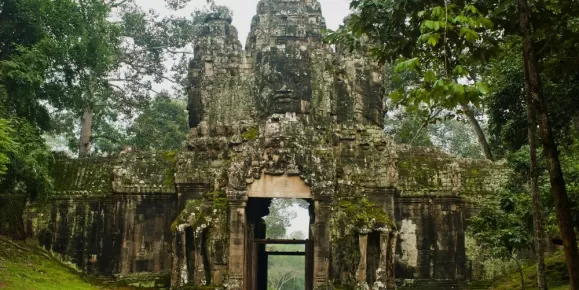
[[199, 273], [383, 271], [361, 271], [321, 243], [391, 267], [237, 229], [179, 272]]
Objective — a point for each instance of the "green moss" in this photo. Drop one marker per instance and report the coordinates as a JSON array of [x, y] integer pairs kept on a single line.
[[251, 134], [170, 156], [218, 200], [24, 267], [364, 213], [212, 204]]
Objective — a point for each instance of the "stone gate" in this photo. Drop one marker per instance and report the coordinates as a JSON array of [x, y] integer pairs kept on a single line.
[[288, 117]]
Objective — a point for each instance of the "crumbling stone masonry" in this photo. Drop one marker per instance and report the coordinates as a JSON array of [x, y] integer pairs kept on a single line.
[[285, 118]]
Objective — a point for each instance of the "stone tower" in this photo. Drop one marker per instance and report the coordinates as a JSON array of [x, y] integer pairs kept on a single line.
[[287, 117]]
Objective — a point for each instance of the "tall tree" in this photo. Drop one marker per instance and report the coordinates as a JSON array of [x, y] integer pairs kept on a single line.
[[443, 43], [162, 126], [537, 104], [500, 227], [534, 185], [135, 47], [279, 218]]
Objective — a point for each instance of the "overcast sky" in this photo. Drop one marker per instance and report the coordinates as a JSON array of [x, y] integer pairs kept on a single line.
[[243, 11]]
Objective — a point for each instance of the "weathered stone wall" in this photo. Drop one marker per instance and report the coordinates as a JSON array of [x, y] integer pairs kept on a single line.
[[109, 216]]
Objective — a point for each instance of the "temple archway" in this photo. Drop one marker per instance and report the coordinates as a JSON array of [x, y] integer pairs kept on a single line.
[[263, 248]]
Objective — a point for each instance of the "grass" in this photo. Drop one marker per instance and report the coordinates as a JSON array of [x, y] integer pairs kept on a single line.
[[557, 276], [25, 267]]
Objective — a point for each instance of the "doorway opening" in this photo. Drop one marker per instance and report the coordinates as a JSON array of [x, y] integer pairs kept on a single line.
[[281, 246]]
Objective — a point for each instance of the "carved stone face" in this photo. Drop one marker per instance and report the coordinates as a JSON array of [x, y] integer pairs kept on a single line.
[[284, 81]]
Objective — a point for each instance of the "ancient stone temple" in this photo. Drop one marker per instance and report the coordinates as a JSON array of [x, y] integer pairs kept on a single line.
[[286, 117]]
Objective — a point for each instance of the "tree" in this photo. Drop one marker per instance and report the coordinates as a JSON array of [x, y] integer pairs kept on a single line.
[[34, 71], [162, 126], [286, 272], [455, 137], [298, 235], [408, 127], [281, 273], [7, 146], [279, 218], [134, 48], [537, 112], [443, 43], [501, 230]]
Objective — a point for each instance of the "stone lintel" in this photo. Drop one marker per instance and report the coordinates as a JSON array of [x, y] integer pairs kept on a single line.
[[284, 186]]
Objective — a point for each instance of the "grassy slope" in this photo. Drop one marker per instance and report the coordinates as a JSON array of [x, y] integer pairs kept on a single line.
[[557, 276], [24, 267]]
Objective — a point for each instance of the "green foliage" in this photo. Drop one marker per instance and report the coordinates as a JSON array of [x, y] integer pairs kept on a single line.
[[443, 43], [279, 218], [286, 272], [502, 227], [162, 126], [456, 137], [506, 101], [117, 84], [414, 128], [408, 127], [557, 276], [29, 169], [7, 146]]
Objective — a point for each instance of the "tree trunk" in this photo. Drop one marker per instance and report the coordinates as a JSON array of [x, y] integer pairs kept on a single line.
[[520, 272], [558, 190], [482, 140], [85, 134], [534, 184]]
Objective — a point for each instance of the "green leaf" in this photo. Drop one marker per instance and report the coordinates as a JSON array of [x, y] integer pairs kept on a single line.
[[410, 64], [433, 39], [482, 87], [460, 19], [460, 71], [472, 9], [437, 11], [468, 34], [458, 89], [429, 76], [487, 23]]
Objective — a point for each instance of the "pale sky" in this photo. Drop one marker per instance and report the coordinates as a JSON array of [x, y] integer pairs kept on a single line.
[[334, 12], [243, 11]]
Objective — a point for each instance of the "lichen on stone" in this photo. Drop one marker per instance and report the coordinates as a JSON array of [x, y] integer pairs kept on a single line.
[[250, 134]]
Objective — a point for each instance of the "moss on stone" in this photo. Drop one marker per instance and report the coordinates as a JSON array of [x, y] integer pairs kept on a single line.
[[251, 134], [170, 156], [199, 212], [364, 214]]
